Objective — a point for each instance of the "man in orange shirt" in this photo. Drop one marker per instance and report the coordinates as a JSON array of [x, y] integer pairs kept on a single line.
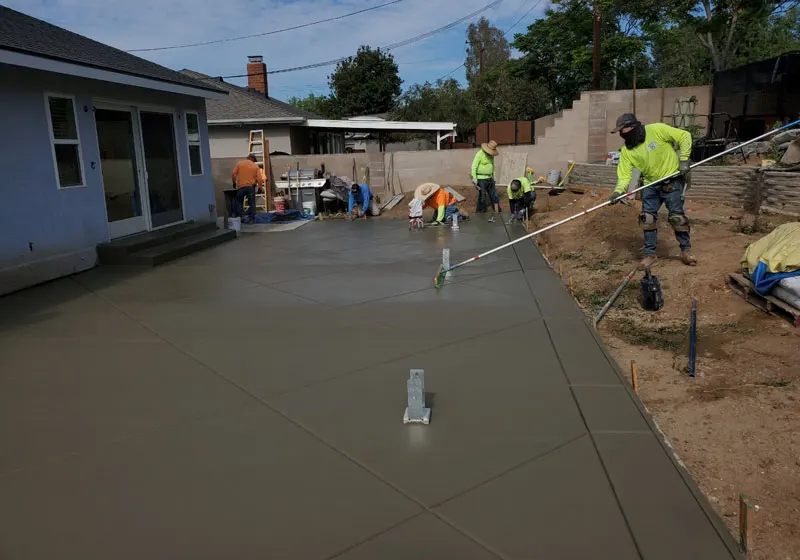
[[444, 204], [247, 175]]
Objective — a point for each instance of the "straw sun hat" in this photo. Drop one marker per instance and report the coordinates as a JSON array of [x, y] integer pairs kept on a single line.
[[490, 147], [425, 191]]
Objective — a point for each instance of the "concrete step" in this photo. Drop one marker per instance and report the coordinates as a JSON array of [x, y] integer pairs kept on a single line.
[[118, 249], [180, 247]]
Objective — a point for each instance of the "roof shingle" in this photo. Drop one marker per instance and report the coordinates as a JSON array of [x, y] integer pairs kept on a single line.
[[25, 34], [244, 104]]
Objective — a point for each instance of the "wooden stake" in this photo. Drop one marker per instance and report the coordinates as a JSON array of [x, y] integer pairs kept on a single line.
[[560, 275], [634, 377], [744, 522], [571, 289]]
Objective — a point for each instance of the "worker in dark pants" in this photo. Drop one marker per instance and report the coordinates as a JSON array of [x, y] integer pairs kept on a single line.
[[651, 150], [521, 197], [246, 176], [483, 172]]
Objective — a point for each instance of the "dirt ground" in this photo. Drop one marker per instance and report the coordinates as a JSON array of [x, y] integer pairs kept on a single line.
[[735, 425]]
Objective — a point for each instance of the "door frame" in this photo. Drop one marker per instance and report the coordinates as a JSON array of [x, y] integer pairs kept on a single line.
[[179, 167], [141, 223]]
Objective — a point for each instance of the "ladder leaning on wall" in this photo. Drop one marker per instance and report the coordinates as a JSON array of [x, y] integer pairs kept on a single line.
[[257, 147]]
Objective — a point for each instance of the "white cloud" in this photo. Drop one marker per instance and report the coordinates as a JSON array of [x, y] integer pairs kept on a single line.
[[130, 24]]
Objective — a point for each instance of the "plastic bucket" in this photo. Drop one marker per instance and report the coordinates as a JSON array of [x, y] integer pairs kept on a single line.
[[554, 176], [235, 224], [280, 204], [310, 208]]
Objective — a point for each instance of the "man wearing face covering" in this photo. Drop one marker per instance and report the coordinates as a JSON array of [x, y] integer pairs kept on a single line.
[[651, 149]]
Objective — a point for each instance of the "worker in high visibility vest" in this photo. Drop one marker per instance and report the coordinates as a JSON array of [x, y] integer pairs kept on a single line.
[[521, 197]]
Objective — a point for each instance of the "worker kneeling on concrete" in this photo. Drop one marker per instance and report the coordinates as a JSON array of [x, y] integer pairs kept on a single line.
[[521, 197], [650, 149], [361, 202], [444, 204]]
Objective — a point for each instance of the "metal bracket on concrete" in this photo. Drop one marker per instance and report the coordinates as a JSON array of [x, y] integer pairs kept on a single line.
[[416, 413], [455, 223], [446, 262]]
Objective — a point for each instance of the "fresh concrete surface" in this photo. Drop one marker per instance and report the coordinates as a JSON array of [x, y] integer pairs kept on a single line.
[[247, 402]]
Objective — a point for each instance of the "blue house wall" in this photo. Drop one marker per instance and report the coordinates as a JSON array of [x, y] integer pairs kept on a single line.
[[56, 230]]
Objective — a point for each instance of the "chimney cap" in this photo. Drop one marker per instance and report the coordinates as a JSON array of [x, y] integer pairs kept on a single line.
[[255, 58]]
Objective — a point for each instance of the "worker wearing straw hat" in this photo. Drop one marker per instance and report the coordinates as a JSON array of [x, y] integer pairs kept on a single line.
[[483, 172], [444, 204]]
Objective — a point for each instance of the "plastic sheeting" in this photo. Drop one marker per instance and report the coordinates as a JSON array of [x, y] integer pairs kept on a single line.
[[773, 257]]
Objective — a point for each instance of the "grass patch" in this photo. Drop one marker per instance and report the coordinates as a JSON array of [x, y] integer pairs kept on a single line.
[[572, 256], [599, 265]]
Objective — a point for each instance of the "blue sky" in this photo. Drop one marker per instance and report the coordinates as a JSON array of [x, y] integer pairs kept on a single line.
[[131, 24]]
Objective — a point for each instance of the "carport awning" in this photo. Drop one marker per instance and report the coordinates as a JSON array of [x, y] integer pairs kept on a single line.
[[442, 129]]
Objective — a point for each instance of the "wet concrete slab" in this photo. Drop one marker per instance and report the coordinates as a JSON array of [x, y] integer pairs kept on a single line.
[[247, 401]]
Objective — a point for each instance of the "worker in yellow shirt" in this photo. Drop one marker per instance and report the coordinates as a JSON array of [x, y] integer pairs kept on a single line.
[[246, 176], [483, 172], [651, 149], [521, 197]]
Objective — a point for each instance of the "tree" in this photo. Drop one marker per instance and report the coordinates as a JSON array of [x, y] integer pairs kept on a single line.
[[724, 27], [365, 84], [320, 105], [490, 40], [444, 101]]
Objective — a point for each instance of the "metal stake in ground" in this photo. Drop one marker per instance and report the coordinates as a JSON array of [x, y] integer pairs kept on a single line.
[[446, 262], [416, 411], [693, 339], [614, 296], [439, 278]]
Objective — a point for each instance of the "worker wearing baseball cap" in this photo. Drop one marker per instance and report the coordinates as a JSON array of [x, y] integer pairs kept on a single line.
[[651, 149]]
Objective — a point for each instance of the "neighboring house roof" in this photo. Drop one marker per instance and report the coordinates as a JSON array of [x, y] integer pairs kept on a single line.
[[246, 106], [22, 34]]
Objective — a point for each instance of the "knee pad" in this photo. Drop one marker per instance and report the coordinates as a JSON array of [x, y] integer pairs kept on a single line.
[[648, 221], [679, 222]]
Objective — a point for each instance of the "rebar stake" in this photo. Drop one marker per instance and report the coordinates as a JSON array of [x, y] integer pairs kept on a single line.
[[446, 262], [416, 413], [693, 340], [744, 522]]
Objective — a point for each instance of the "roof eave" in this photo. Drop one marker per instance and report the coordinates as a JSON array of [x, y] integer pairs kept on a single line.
[[46, 64], [259, 120], [364, 125]]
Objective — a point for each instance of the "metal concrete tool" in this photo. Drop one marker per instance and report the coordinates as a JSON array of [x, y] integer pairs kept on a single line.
[[614, 296], [416, 412], [439, 278]]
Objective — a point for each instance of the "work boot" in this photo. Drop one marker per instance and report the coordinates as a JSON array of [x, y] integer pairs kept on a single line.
[[648, 262], [688, 259]]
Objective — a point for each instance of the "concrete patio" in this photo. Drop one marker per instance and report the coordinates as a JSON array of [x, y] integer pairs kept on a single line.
[[247, 402]]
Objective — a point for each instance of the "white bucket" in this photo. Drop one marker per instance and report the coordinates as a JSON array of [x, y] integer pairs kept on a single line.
[[554, 176], [310, 208], [235, 224]]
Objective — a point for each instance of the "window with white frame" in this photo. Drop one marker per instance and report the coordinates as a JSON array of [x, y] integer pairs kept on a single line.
[[193, 139], [65, 140]]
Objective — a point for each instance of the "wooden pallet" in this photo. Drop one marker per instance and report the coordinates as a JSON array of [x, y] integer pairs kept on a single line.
[[742, 285]]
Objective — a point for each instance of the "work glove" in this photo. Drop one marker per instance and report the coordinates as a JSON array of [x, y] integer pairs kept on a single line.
[[616, 197], [361, 214], [475, 182], [233, 185], [686, 170]]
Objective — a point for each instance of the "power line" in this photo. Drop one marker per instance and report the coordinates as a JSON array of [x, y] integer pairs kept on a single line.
[[390, 47], [273, 32], [463, 64]]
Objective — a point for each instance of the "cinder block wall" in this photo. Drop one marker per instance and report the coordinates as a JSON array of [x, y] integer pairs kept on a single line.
[[771, 191]]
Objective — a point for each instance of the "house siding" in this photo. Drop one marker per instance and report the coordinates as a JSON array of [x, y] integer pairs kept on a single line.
[[40, 223], [232, 141]]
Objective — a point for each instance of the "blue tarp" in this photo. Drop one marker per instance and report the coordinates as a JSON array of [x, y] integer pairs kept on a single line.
[[275, 217], [764, 280]]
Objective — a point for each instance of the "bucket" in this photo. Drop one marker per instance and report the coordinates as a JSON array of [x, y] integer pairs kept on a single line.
[[310, 208], [554, 176], [280, 204], [235, 224]]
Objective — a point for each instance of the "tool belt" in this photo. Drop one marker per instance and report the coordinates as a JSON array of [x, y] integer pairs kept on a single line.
[[673, 184]]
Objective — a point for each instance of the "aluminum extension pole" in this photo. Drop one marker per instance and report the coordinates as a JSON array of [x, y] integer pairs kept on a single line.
[[606, 203]]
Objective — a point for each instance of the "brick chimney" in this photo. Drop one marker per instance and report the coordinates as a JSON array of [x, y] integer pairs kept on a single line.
[[257, 75]]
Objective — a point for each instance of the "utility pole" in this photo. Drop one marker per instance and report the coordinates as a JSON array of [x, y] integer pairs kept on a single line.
[[596, 49]]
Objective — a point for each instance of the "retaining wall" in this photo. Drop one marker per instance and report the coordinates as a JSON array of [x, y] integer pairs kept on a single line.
[[751, 187]]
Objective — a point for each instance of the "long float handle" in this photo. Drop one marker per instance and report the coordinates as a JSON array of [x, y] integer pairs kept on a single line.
[[607, 202]]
